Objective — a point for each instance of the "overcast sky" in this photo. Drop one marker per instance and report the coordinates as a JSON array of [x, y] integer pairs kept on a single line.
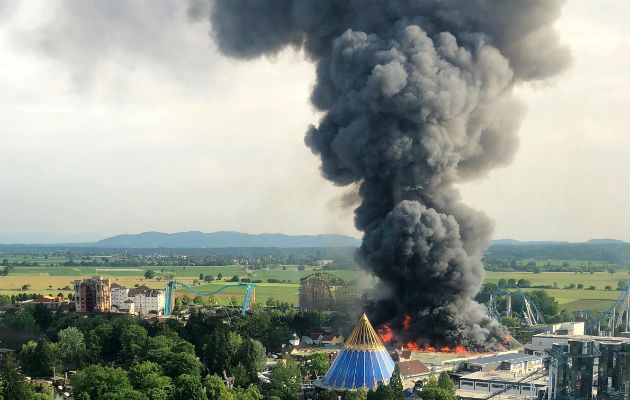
[[120, 116]]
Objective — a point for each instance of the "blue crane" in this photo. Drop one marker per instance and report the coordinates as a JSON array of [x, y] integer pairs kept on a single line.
[[170, 286]]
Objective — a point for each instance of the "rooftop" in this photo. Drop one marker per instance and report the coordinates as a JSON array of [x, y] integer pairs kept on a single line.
[[413, 367], [538, 379], [512, 357]]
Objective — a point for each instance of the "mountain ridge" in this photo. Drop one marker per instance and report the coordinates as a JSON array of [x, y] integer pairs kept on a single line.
[[222, 239]]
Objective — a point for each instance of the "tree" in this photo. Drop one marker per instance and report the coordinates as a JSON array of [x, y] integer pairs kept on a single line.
[[125, 394], [252, 356], [39, 358], [286, 379], [133, 340], [360, 394], [235, 278], [580, 286], [395, 382], [188, 387], [524, 283], [611, 270], [621, 284], [215, 389], [95, 382], [315, 364], [201, 277], [502, 282], [241, 378], [148, 378], [445, 382], [14, 385], [434, 390], [149, 274], [71, 347], [43, 316], [251, 393], [22, 321], [217, 352], [178, 304]]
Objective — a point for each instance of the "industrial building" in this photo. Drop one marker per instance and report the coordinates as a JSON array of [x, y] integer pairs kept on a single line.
[[590, 367], [515, 363], [92, 294], [482, 384]]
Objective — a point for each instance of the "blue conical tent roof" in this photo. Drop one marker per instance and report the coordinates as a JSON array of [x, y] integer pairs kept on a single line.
[[362, 362]]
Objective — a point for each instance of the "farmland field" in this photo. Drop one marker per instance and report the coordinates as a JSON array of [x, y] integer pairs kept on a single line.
[[571, 299], [52, 279]]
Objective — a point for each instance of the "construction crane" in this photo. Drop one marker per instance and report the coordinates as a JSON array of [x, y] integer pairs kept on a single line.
[[529, 312], [249, 294]]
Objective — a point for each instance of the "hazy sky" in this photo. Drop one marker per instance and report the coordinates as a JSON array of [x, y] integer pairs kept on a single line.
[[120, 116]]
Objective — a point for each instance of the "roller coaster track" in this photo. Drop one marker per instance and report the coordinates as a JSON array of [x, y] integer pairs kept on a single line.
[[615, 314], [170, 287], [529, 312]]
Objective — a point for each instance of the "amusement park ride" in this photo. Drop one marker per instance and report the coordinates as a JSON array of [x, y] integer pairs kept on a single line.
[[614, 316], [250, 290], [618, 315], [529, 312]]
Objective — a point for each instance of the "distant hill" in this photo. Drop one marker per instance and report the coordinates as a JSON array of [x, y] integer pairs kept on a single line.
[[195, 239]]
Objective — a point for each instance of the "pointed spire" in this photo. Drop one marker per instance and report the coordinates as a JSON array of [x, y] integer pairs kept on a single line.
[[363, 337]]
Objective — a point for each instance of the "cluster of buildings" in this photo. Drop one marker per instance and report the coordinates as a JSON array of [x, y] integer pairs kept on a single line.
[[561, 363], [97, 294]]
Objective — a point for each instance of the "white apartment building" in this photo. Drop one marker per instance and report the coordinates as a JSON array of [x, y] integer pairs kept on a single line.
[[119, 295], [150, 301], [144, 299]]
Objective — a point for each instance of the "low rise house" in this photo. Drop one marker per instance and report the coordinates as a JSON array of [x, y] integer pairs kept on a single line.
[[48, 302], [334, 339], [413, 370]]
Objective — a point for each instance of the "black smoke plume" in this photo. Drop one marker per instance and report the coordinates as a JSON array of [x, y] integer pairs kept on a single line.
[[417, 97]]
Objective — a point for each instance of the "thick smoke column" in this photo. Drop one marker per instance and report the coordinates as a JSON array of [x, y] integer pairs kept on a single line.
[[418, 97]]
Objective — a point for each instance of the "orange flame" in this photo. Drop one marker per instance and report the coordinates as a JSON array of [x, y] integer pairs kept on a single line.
[[430, 349], [385, 333]]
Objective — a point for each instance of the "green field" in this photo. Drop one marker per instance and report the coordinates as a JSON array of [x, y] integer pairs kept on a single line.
[[571, 299], [51, 280]]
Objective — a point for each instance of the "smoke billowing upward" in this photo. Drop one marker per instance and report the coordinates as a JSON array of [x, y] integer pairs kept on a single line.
[[417, 97]]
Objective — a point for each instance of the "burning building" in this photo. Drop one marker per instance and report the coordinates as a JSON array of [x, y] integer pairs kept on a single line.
[[363, 362], [417, 97], [92, 294]]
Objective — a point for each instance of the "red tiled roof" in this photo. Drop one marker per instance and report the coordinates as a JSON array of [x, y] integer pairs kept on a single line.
[[47, 300]]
